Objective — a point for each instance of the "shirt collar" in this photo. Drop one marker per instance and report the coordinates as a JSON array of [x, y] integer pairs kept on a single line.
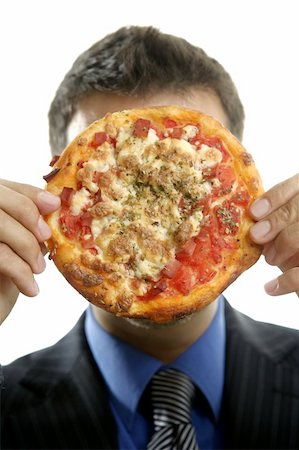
[[127, 370]]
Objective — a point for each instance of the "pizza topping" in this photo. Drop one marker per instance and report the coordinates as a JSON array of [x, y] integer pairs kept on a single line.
[[51, 175], [189, 132], [226, 176], [123, 302], [228, 217], [80, 200], [66, 196], [171, 268], [184, 280], [54, 160], [169, 123], [99, 139], [247, 158], [141, 128], [208, 157]]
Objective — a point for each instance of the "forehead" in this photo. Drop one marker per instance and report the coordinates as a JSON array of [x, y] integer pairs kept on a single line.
[[97, 104]]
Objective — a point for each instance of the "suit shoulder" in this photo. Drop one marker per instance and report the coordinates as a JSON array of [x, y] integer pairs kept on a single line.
[[39, 371], [275, 341]]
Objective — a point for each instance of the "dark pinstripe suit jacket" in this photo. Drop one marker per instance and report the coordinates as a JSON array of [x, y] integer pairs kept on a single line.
[[55, 398]]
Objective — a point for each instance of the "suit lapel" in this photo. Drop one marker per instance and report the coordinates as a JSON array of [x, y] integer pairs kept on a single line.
[[69, 400], [261, 397]]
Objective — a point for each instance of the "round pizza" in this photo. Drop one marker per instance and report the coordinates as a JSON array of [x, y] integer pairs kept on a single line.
[[154, 215]]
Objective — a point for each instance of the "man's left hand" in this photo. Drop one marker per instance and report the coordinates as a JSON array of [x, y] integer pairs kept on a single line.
[[277, 229]]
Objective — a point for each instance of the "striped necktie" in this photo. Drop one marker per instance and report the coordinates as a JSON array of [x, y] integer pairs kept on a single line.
[[172, 393]]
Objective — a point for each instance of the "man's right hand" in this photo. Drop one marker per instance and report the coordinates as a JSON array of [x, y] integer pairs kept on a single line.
[[22, 233]]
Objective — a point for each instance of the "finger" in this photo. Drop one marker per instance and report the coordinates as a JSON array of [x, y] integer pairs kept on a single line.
[[267, 229], [44, 249], [8, 295], [45, 201], [21, 241], [293, 261], [284, 284], [13, 267], [276, 197], [24, 211], [284, 246]]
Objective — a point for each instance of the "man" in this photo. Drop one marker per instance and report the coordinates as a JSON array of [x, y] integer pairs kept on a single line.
[[93, 388]]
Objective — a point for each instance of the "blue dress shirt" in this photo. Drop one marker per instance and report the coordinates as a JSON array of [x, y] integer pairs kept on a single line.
[[127, 372]]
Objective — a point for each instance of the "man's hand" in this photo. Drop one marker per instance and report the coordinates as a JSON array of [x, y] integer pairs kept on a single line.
[[22, 233], [277, 229]]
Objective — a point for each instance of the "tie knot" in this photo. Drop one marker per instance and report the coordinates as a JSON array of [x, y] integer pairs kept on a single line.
[[172, 394]]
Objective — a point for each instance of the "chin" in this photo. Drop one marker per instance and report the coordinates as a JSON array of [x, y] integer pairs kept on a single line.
[[150, 325]]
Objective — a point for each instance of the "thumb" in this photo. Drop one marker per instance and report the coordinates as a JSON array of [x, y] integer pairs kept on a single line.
[[45, 201]]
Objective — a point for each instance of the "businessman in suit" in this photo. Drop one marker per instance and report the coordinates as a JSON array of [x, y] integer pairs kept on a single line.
[[93, 388]]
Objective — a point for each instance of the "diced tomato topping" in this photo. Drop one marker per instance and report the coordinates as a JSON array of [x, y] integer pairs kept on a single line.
[[176, 133], [228, 217], [226, 176], [98, 139], [196, 140], [171, 268], [156, 289], [202, 251], [186, 250], [97, 177], [85, 219], [93, 251], [141, 128], [169, 123], [87, 243], [112, 141], [184, 280], [70, 224], [158, 132], [204, 205], [66, 196], [86, 238], [75, 227], [217, 257], [206, 275], [209, 172], [241, 198]]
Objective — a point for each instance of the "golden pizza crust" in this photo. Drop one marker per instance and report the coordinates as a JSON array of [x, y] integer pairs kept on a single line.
[[99, 283]]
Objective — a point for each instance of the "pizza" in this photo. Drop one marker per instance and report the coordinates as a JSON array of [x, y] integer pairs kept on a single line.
[[154, 215]]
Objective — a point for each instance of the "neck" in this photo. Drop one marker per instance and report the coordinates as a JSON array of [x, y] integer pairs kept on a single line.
[[165, 343]]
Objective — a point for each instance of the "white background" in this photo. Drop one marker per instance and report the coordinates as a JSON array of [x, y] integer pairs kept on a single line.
[[256, 41]]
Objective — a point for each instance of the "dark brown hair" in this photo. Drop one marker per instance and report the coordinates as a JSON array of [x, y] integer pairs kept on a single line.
[[136, 61]]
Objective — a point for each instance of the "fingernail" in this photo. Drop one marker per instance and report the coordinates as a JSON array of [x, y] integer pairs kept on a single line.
[[272, 286], [43, 228], [35, 288], [260, 207], [260, 229], [49, 199], [41, 263]]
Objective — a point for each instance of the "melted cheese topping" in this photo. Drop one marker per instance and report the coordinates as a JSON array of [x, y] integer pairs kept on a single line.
[[139, 220], [80, 199]]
